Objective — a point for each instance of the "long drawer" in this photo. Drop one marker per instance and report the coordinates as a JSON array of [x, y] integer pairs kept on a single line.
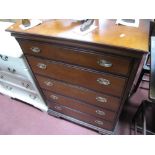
[[81, 116], [16, 80], [101, 82], [23, 95], [80, 93], [18, 93], [102, 62], [80, 106]]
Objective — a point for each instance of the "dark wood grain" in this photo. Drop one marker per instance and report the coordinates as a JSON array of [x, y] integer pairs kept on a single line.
[[75, 75], [80, 93], [81, 116], [70, 62], [80, 106], [82, 57]]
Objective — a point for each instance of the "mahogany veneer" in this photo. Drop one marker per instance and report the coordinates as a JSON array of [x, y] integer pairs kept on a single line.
[[84, 78]]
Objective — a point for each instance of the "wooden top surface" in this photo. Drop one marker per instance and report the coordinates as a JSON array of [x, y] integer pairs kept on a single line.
[[106, 33]]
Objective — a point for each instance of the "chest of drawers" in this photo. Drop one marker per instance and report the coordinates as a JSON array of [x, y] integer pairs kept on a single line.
[[84, 79]]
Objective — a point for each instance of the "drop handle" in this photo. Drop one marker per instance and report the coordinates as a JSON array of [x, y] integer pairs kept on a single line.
[[104, 63], [100, 112], [26, 85], [4, 58], [8, 88], [101, 99], [98, 122], [35, 49], [42, 66], [54, 97], [11, 70], [48, 83], [58, 108], [103, 81]]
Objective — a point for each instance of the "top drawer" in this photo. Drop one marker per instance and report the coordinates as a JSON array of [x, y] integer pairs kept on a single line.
[[102, 62]]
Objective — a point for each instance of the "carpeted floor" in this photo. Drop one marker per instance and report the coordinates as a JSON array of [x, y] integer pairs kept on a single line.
[[17, 118]]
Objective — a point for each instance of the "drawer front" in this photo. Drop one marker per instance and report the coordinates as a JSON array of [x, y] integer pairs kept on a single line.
[[14, 70], [11, 61], [81, 116], [114, 64], [18, 93], [16, 80], [86, 95], [97, 81], [13, 65], [80, 106], [27, 96]]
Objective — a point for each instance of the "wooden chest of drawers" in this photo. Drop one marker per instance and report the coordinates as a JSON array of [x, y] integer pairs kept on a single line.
[[84, 79]]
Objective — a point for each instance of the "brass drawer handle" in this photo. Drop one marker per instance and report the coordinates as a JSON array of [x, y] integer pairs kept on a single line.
[[98, 122], [104, 63], [99, 112], [103, 81], [42, 66], [101, 99], [58, 108], [35, 49], [53, 97], [48, 83]]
